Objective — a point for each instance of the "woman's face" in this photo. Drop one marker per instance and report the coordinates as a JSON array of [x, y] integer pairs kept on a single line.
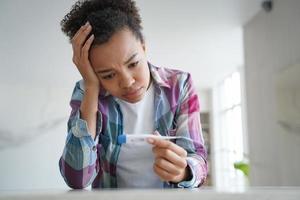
[[121, 66]]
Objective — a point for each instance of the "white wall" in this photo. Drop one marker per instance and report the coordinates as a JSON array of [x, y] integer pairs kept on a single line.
[[199, 36], [36, 81], [205, 100], [272, 43]]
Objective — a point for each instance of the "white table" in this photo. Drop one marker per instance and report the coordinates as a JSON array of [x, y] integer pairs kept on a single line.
[[167, 194]]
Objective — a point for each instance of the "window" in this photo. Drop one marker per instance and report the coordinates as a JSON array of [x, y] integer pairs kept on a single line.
[[229, 136]]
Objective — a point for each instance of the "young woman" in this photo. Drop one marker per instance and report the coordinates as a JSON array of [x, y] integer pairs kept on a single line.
[[121, 93]]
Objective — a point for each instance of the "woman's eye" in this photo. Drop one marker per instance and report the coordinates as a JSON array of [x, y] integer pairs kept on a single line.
[[133, 64], [110, 76]]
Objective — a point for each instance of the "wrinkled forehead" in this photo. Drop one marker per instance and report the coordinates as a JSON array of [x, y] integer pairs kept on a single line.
[[120, 47]]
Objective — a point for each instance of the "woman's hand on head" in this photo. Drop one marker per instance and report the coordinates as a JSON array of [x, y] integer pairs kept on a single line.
[[170, 160], [81, 46]]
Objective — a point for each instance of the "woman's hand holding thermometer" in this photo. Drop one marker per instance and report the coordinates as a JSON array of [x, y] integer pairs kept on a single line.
[[170, 159]]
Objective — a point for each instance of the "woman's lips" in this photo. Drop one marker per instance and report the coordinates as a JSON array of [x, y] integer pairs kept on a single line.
[[133, 93]]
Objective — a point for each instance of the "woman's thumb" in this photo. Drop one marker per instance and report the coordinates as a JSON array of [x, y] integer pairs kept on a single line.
[[156, 133]]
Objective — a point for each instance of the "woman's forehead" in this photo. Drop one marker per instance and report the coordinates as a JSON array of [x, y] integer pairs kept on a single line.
[[117, 50]]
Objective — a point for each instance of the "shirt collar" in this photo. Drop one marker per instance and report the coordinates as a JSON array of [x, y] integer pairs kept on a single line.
[[159, 76]]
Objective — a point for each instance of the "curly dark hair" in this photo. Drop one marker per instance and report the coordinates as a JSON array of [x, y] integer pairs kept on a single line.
[[106, 18]]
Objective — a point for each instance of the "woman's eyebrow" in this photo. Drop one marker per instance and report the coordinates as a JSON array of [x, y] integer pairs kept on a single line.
[[109, 70], [104, 71], [130, 58]]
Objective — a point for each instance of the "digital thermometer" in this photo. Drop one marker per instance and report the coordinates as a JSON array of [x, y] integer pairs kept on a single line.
[[128, 138]]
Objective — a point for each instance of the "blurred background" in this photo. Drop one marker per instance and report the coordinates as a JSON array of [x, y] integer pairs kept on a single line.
[[244, 57]]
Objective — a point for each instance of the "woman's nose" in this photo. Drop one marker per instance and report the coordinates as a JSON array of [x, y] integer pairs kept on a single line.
[[126, 81]]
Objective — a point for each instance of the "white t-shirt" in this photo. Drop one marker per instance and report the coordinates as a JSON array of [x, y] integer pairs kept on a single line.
[[135, 162]]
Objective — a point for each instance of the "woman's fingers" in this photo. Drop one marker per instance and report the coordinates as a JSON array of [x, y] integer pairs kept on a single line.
[[79, 39], [171, 156], [166, 144], [82, 28], [83, 35], [168, 166], [163, 174], [86, 47], [74, 40]]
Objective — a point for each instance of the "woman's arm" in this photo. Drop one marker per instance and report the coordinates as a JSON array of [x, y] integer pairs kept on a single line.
[[189, 125], [89, 108], [78, 164], [187, 169]]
